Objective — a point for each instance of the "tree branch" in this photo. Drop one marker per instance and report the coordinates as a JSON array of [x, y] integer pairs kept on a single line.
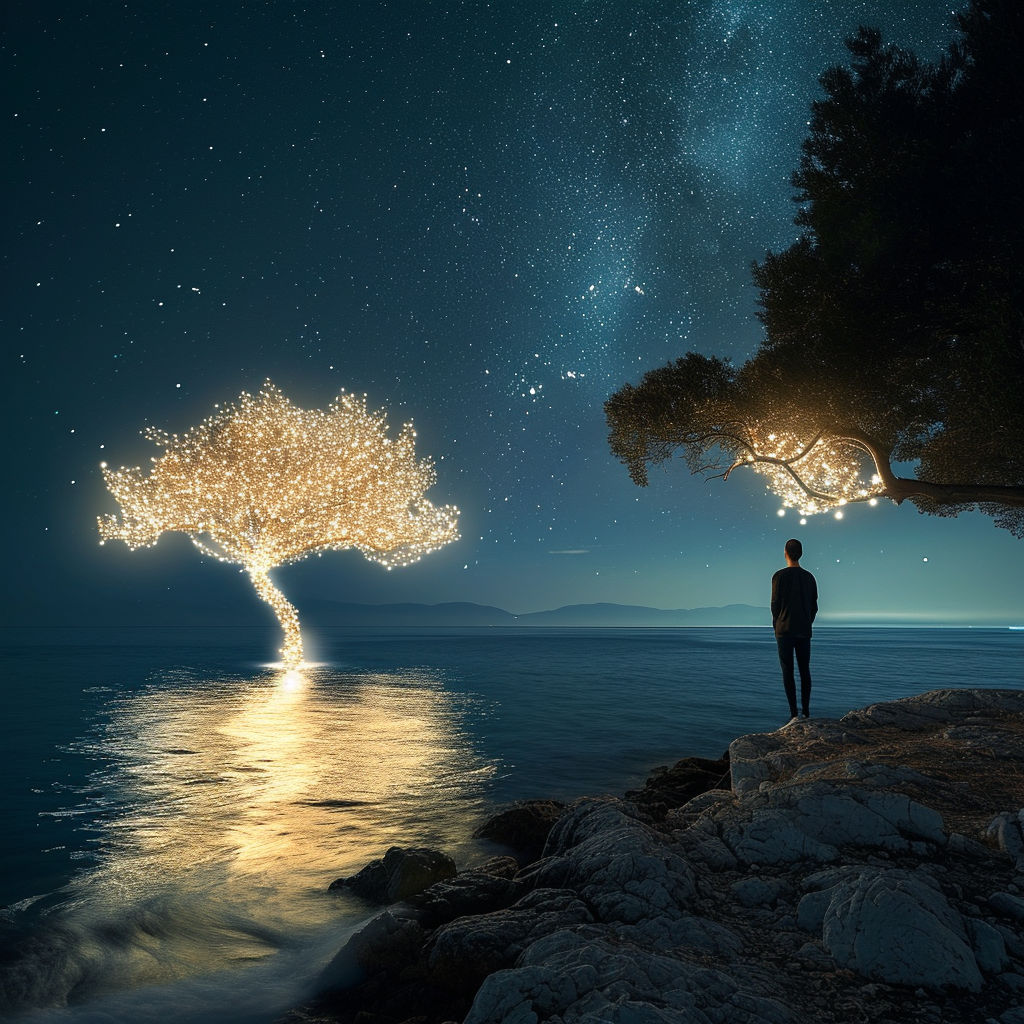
[[900, 488]]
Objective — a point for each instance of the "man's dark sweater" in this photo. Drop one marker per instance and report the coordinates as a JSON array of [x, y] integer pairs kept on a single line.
[[794, 602]]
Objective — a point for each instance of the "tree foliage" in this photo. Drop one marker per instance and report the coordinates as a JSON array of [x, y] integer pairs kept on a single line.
[[262, 483], [894, 324]]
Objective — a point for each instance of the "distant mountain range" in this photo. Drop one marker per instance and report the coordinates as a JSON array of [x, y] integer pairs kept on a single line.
[[245, 609], [463, 613]]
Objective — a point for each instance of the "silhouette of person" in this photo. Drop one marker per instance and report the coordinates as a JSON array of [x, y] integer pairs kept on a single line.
[[794, 606]]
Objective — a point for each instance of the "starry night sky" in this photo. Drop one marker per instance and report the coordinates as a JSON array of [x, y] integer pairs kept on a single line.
[[486, 216]]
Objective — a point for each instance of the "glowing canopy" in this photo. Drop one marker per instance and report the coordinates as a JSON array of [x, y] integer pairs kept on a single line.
[[261, 483]]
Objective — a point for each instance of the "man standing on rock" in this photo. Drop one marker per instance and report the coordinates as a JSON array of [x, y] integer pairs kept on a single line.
[[794, 605]]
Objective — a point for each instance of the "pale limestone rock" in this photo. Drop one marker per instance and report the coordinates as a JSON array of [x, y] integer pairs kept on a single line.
[[821, 884], [985, 735], [705, 850], [623, 868], [1006, 830], [875, 776], [589, 818], [928, 710], [754, 759], [713, 799], [771, 837], [585, 980], [894, 926], [698, 812], [812, 821], [748, 766], [829, 877], [812, 953], [847, 815], [471, 892], [1012, 937]]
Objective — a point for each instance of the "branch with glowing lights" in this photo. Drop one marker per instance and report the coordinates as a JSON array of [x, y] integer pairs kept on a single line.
[[814, 456], [812, 476], [262, 483]]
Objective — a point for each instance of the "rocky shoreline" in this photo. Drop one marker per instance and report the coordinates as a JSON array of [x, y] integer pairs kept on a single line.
[[869, 868]]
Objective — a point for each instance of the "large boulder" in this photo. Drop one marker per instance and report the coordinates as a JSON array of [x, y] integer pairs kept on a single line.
[[813, 821], [471, 892], [1008, 905], [523, 827], [592, 977], [760, 757], [897, 927], [624, 869], [461, 954], [1008, 831], [386, 944], [500, 866], [928, 710], [669, 788], [400, 873]]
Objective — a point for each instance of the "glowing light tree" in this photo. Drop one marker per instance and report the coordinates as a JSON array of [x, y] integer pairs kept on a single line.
[[262, 483]]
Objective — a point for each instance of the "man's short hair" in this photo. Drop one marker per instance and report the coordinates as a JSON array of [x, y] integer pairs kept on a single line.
[[794, 549]]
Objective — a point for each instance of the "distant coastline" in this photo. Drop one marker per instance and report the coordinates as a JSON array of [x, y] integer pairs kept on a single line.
[[464, 613], [321, 612]]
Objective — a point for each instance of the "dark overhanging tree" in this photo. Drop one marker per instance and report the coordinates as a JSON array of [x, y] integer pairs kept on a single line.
[[894, 325]]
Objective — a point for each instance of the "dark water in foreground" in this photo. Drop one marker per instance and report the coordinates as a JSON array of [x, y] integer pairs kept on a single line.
[[174, 809]]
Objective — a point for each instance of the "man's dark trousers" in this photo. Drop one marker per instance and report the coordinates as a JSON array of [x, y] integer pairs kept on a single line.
[[801, 647]]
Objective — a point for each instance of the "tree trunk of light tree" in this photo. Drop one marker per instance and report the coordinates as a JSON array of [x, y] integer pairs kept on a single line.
[[291, 651]]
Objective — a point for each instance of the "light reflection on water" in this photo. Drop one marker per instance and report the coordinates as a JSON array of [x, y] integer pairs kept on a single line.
[[224, 807]]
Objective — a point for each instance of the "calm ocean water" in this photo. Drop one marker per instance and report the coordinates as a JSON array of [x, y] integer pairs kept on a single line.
[[174, 809]]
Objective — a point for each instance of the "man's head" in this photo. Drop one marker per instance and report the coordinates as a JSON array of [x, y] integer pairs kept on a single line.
[[794, 550]]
